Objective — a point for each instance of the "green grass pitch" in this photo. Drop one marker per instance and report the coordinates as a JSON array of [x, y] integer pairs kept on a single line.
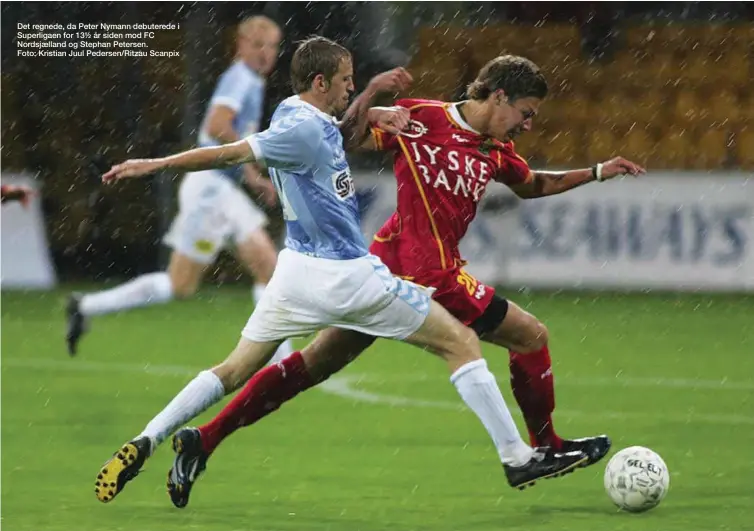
[[384, 446]]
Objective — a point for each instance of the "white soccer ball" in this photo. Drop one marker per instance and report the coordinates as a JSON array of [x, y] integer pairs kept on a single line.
[[636, 479]]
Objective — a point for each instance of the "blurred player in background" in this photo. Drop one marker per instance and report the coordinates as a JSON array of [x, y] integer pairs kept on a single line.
[[213, 208], [444, 161], [326, 275]]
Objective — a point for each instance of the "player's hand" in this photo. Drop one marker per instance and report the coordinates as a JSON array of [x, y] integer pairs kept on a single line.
[[265, 190], [22, 194], [130, 169], [395, 80], [620, 166], [392, 120], [260, 186]]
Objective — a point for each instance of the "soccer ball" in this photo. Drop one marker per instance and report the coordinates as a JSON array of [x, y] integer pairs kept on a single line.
[[636, 479]]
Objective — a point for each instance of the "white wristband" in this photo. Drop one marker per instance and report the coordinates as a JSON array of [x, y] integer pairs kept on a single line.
[[600, 178]]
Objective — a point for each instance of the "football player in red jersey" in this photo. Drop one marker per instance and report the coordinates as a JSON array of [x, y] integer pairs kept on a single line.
[[443, 162]]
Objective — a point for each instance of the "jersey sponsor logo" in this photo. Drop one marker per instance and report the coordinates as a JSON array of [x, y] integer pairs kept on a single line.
[[458, 171], [343, 185], [414, 129], [459, 138]]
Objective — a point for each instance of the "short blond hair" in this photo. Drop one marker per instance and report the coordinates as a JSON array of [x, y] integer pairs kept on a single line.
[[256, 23], [316, 55]]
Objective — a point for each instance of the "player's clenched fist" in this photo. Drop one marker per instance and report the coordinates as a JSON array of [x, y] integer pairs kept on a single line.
[[620, 166], [130, 169], [394, 80], [392, 120]]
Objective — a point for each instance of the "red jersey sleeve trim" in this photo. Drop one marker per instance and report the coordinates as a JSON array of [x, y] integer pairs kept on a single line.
[[420, 105], [390, 237], [377, 135]]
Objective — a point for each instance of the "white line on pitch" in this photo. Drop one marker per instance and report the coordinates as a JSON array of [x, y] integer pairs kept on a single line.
[[723, 384], [561, 379], [344, 386]]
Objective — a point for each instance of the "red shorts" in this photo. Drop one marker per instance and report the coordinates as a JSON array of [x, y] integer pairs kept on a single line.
[[460, 293]]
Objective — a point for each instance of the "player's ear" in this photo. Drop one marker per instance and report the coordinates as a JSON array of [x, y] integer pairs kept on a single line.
[[320, 84], [500, 97]]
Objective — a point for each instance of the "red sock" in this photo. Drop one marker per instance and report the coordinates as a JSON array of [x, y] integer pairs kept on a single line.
[[263, 394], [534, 388]]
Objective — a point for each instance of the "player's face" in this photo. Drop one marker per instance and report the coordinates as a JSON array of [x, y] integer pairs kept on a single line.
[[510, 119], [259, 49], [341, 88]]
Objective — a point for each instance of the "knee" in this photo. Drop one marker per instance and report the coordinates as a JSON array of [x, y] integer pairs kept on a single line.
[[464, 346]]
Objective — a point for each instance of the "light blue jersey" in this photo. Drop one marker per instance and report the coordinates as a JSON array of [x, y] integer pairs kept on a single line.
[[303, 149], [240, 89]]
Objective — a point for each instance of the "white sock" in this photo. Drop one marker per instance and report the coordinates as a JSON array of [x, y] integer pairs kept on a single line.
[[153, 288], [286, 347], [478, 388], [200, 393]]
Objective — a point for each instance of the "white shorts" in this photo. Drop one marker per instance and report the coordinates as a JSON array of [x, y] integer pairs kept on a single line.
[[212, 211], [308, 294]]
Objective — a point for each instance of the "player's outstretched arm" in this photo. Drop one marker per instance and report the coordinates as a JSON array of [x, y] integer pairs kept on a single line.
[[193, 160], [355, 124], [544, 183]]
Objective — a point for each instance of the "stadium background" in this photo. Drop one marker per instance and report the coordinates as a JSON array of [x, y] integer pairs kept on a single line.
[[666, 84]]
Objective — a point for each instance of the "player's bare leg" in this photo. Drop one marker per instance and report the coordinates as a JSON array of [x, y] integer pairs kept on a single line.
[[258, 254], [532, 381], [332, 350], [459, 346], [206, 389], [268, 389], [181, 280]]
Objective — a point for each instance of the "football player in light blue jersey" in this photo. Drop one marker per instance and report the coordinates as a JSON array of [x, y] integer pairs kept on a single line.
[[213, 209], [325, 276]]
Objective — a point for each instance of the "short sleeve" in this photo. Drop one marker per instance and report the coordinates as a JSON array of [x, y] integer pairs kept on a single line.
[[292, 142], [385, 141], [233, 88], [512, 169]]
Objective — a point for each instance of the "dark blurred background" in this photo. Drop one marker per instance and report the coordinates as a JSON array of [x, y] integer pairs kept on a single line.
[[668, 84]]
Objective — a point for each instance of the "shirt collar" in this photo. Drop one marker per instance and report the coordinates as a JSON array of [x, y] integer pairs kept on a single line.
[[296, 101], [456, 115]]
